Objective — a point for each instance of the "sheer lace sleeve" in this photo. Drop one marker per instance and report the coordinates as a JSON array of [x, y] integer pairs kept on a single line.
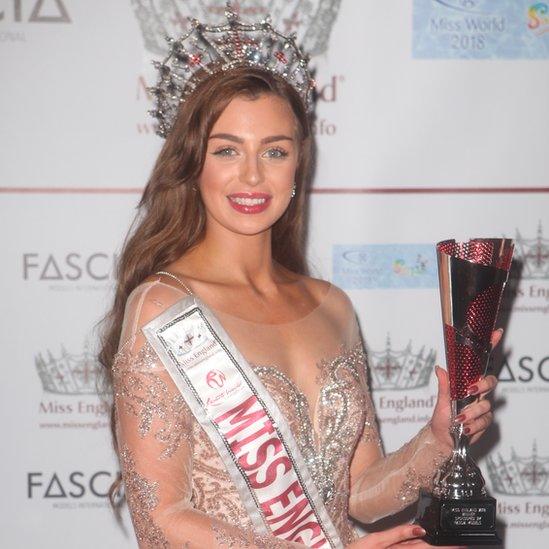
[[155, 443], [384, 484]]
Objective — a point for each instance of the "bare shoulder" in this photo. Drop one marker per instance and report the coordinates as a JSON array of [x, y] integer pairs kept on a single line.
[[155, 293], [322, 289]]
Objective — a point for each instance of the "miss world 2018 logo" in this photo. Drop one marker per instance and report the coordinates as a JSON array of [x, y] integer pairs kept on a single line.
[[468, 6], [311, 20]]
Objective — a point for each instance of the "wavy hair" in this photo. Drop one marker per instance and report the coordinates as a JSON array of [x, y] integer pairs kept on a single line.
[[171, 217]]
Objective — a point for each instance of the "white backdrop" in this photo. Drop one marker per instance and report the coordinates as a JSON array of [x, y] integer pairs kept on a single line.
[[432, 123]]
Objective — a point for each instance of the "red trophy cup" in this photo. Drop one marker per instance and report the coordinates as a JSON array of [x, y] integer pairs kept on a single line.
[[472, 276]]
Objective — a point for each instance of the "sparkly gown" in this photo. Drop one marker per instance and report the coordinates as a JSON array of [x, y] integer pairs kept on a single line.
[[178, 491]]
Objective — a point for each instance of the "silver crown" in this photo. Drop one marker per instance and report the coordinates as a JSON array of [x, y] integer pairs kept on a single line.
[[534, 255], [398, 370], [69, 374], [520, 476], [208, 49]]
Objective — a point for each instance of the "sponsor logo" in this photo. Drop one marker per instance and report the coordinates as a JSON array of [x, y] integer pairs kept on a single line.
[[480, 29], [524, 374], [71, 394], [520, 476], [385, 266], [538, 18], [70, 271], [70, 490], [215, 379]]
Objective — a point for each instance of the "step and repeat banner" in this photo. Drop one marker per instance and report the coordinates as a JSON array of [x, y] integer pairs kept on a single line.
[[431, 123]]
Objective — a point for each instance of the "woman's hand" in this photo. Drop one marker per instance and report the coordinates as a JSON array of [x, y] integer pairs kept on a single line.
[[404, 535], [476, 417]]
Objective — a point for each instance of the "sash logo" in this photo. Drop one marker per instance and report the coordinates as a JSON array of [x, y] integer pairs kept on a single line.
[[215, 379]]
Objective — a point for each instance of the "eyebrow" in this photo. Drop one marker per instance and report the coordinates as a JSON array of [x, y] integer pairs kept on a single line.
[[237, 139]]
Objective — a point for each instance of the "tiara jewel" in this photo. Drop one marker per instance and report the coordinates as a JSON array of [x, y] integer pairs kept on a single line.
[[210, 49]]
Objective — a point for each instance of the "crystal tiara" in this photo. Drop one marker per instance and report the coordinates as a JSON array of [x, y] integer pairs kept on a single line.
[[210, 49]]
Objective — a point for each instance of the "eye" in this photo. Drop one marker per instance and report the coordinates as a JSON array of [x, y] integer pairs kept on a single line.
[[225, 151], [276, 152]]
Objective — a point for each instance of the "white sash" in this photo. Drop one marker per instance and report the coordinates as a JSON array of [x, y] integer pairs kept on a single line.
[[243, 422]]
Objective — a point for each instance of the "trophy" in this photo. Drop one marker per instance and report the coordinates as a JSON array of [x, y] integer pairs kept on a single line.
[[472, 276]]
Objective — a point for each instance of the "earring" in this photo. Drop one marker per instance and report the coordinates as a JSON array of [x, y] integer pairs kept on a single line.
[[293, 190], [194, 188]]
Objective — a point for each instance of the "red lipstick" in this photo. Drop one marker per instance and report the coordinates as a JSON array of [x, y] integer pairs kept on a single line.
[[249, 203]]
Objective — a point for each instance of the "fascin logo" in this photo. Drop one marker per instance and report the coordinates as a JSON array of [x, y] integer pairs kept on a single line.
[[524, 373], [70, 489], [15, 14], [72, 270]]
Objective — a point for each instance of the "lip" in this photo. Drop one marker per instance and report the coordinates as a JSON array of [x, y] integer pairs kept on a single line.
[[242, 208]]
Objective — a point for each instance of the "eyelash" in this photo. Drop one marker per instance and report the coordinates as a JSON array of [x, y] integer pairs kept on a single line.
[[282, 152]]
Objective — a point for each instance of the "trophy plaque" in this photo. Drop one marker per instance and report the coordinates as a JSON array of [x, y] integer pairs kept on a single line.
[[472, 276]]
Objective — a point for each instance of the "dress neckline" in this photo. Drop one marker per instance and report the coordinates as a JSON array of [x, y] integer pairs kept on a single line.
[[312, 312]]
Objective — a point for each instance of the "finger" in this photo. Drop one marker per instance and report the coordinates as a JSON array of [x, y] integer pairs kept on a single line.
[[496, 337], [474, 411], [478, 426], [399, 534], [443, 382], [483, 386]]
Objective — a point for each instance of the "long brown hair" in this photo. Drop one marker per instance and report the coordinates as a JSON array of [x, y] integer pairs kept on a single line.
[[171, 216]]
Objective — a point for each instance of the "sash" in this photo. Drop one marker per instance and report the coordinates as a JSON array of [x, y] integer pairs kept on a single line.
[[243, 422]]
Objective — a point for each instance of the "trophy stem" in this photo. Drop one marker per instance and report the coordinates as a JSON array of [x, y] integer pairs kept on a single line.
[[461, 478]]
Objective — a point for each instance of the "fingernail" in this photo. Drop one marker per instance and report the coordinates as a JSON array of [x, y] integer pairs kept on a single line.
[[418, 531], [467, 430], [460, 418], [472, 390]]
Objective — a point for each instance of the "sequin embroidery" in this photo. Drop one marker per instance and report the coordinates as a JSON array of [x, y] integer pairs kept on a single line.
[[145, 394], [142, 498]]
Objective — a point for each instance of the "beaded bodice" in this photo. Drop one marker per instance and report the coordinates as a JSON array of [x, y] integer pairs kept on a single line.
[[177, 487]]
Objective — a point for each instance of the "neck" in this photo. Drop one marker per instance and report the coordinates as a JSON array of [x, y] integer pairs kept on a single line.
[[232, 258]]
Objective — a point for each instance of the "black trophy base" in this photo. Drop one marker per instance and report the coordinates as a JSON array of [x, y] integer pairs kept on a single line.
[[457, 522]]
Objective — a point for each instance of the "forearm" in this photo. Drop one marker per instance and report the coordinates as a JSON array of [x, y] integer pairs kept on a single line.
[[392, 482]]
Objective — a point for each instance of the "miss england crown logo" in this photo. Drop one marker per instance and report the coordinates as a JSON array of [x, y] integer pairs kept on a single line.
[[312, 20], [394, 370]]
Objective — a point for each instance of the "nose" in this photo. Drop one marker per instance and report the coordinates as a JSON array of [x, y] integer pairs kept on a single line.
[[251, 172]]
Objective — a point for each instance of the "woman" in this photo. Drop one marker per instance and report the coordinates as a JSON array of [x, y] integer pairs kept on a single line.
[[223, 219]]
